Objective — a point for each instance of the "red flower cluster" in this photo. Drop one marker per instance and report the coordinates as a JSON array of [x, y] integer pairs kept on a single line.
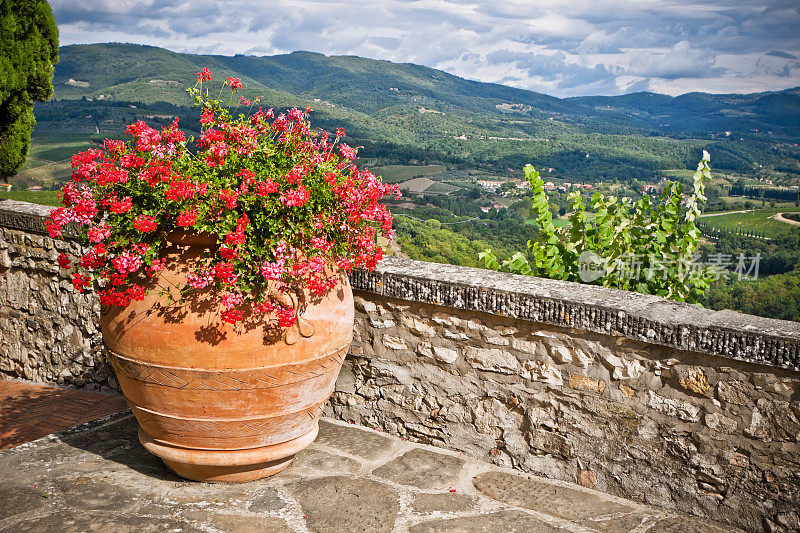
[[295, 197], [144, 223], [346, 152], [234, 83], [64, 261], [286, 204], [187, 218]]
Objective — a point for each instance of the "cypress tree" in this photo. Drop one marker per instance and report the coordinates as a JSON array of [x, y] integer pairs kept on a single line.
[[28, 51]]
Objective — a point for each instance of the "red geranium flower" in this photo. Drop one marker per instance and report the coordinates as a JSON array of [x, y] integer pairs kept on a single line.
[[63, 260], [234, 83], [144, 223], [187, 218]]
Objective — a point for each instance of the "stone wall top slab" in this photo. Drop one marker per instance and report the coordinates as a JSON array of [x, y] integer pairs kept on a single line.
[[24, 216], [641, 317]]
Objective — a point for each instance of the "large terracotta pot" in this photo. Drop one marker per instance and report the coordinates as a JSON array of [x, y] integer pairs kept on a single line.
[[222, 402]]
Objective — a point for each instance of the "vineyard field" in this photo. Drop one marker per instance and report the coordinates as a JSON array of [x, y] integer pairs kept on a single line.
[[46, 173], [757, 223]]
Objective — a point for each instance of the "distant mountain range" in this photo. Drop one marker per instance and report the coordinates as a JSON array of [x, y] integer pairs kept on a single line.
[[403, 111]]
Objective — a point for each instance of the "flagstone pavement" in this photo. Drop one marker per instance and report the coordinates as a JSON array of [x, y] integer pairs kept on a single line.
[[97, 477]]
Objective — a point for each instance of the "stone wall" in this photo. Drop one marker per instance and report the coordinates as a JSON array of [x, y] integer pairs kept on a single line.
[[49, 332], [678, 429], [635, 395]]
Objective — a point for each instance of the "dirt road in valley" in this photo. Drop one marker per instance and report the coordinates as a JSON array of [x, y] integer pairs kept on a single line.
[[725, 213], [779, 217]]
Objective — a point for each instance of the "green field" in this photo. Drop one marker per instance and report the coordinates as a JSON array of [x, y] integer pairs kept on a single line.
[[44, 174], [786, 206], [677, 174], [557, 222], [756, 221], [440, 188], [60, 146], [400, 173], [61, 139], [58, 152], [34, 197], [32, 162]]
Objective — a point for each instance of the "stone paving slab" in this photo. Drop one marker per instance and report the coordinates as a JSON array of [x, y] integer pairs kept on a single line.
[[97, 477]]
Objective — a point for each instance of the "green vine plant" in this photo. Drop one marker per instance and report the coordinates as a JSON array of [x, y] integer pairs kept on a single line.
[[643, 246]]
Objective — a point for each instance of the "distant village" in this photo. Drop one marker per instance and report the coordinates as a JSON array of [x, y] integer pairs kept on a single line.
[[495, 186]]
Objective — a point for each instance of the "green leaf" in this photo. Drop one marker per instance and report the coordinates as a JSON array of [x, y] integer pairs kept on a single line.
[[489, 260], [517, 264]]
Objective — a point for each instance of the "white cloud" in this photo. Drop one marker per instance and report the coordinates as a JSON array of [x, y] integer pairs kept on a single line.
[[561, 47]]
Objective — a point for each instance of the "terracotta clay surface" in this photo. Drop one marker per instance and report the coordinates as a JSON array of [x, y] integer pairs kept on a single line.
[[223, 402]]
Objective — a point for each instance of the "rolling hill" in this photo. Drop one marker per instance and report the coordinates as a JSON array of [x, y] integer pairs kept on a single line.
[[402, 112]]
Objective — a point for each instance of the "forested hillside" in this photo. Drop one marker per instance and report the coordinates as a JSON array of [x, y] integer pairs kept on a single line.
[[400, 112]]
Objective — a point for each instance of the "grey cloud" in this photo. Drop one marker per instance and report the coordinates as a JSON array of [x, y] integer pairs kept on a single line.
[[388, 43], [642, 85], [575, 46], [416, 16], [153, 18], [602, 43], [783, 55], [118, 14], [576, 76], [682, 61], [553, 68], [779, 67]]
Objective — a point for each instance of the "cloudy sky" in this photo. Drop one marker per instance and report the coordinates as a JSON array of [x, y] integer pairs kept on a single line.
[[558, 47]]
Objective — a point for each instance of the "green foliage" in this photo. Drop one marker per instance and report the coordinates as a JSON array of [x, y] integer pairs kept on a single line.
[[433, 223], [776, 293], [776, 296], [28, 51], [766, 193], [422, 241], [642, 246], [778, 256]]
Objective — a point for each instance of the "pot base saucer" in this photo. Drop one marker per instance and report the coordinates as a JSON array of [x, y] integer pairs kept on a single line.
[[227, 466], [227, 474]]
